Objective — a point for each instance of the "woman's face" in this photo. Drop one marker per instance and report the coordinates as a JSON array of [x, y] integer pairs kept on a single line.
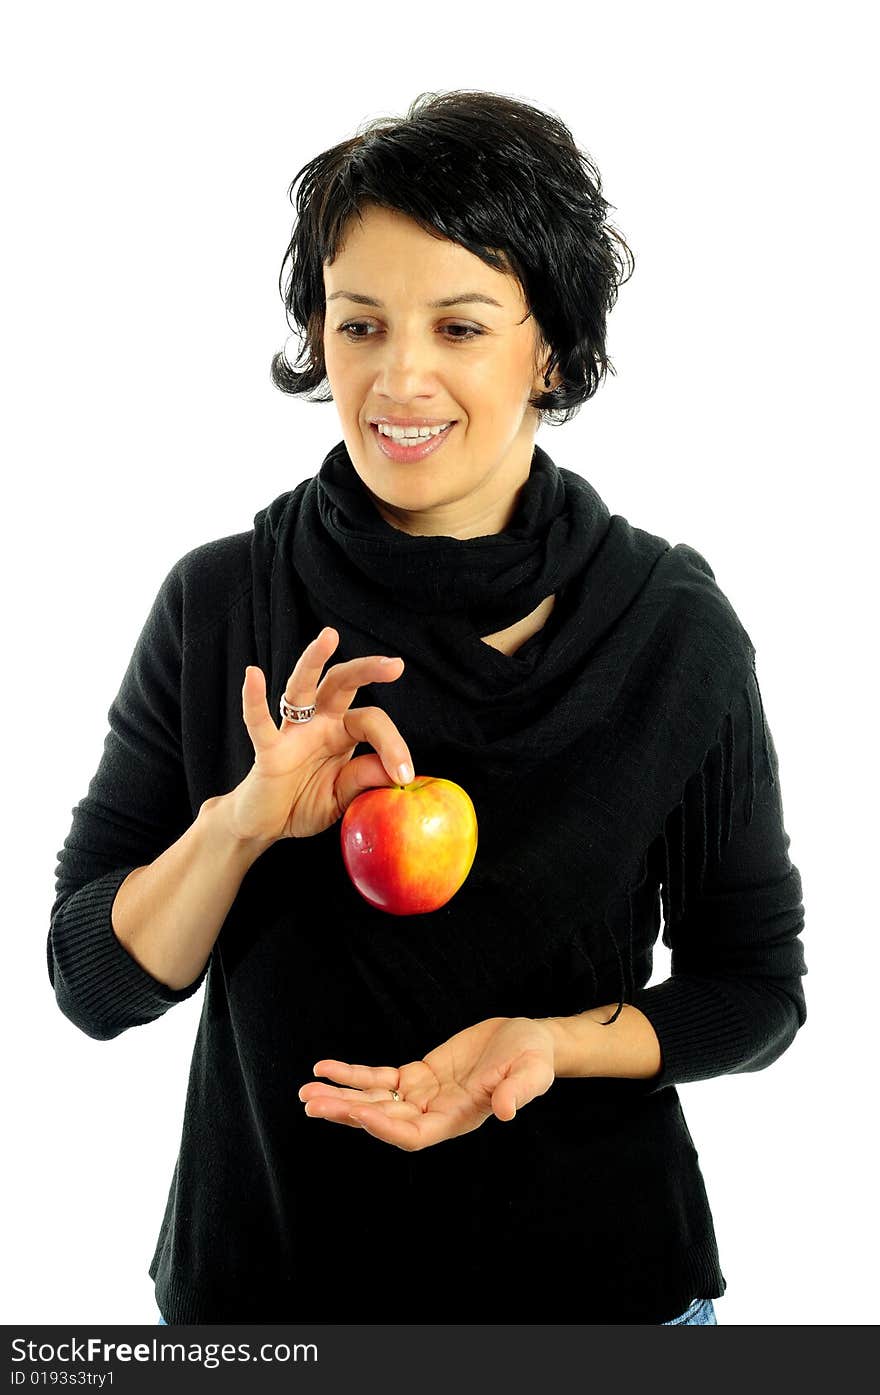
[[401, 357]]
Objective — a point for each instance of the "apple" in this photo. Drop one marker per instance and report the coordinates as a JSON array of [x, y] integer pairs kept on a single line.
[[408, 848]]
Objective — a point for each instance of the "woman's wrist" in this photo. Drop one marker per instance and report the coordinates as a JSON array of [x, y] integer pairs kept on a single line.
[[583, 1047], [215, 813]]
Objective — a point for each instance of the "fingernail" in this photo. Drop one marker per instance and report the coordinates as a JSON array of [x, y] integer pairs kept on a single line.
[[404, 773], [391, 661]]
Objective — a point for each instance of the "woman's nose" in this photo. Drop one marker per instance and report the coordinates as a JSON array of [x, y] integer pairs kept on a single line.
[[407, 369]]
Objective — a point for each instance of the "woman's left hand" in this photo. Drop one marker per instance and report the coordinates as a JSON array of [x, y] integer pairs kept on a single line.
[[494, 1067]]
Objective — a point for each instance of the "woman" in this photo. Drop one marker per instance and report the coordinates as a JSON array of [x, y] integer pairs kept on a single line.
[[500, 1136]]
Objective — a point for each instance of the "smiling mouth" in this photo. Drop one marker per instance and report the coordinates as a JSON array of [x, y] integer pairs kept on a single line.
[[423, 433], [404, 448]]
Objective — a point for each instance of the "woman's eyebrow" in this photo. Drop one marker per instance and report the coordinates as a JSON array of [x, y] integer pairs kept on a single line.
[[460, 299]]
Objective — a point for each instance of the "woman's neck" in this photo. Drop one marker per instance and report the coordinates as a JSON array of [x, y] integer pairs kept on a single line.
[[509, 640]]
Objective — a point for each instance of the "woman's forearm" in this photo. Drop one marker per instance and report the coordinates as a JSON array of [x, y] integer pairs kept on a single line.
[[584, 1047], [168, 914]]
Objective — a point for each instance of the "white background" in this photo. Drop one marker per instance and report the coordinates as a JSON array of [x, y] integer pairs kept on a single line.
[[149, 151]]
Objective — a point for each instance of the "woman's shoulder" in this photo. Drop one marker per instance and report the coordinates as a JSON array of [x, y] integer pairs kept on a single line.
[[210, 580], [695, 599]]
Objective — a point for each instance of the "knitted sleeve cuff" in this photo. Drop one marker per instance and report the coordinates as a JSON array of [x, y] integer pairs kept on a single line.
[[707, 1028], [98, 985]]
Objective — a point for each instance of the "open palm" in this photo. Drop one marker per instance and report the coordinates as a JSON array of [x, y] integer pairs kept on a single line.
[[494, 1067]]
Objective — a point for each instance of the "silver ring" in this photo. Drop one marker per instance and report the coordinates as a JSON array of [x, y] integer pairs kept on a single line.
[[395, 1096], [289, 713]]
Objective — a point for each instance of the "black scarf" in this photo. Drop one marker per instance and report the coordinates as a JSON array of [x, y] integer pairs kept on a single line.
[[641, 670]]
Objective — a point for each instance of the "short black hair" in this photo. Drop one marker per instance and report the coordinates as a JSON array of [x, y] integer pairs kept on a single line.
[[501, 178]]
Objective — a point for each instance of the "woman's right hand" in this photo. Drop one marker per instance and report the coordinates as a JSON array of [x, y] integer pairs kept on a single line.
[[303, 778]]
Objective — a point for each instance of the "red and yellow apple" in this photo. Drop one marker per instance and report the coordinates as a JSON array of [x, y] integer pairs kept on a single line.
[[408, 848]]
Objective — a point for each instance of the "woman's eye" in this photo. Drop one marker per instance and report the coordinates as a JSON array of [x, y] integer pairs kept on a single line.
[[469, 331], [466, 331], [349, 329]]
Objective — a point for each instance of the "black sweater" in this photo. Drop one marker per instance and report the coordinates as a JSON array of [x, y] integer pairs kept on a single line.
[[590, 1206]]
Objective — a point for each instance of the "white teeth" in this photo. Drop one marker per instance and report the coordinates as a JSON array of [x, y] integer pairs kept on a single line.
[[411, 434]]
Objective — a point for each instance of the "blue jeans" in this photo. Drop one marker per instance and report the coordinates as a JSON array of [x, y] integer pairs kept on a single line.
[[701, 1313]]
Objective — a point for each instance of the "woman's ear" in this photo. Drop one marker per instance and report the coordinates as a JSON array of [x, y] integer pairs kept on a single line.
[[541, 378], [541, 363], [543, 358]]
